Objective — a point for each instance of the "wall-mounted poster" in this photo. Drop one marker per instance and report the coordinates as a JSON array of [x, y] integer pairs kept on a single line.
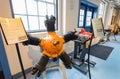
[[98, 28], [13, 30]]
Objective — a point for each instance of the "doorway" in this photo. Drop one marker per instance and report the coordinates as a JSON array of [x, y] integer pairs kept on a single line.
[[87, 11]]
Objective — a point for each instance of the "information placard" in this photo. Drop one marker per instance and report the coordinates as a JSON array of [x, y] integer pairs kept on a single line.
[[98, 28], [13, 30]]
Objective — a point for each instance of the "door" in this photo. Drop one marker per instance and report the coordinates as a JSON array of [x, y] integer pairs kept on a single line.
[[86, 13], [89, 16]]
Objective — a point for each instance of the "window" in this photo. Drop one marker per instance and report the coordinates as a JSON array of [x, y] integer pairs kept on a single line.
[[33, 12], [89, 16], [81, 17], [101, 10]]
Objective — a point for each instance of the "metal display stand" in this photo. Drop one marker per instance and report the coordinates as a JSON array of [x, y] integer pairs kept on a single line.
[[14, 32], [20, 60], [79, 61]]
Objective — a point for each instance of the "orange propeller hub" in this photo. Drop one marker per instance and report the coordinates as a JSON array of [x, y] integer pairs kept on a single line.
[[52, 45]]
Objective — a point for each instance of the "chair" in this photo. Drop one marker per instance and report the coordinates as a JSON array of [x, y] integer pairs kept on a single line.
[[112, 30]]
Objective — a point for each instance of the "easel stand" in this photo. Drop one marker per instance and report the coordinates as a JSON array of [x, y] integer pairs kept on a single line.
[[14, 32], [79, 61], [20, 60]]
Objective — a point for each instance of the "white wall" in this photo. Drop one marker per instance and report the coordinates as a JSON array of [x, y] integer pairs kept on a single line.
[[4, 8], [69, 20], [108, 16], [70, 15]]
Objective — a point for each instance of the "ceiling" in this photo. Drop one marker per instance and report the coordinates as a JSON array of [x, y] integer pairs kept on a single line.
[[115, 3]]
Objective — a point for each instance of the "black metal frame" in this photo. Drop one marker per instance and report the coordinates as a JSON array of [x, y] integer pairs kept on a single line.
[[79, 61]]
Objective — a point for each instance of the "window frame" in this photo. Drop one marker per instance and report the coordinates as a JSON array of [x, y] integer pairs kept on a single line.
[[38, 16], [81, 17], [88, 21], [101, 8]]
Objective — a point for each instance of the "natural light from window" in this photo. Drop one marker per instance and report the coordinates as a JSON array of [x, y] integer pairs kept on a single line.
[[33, 12]]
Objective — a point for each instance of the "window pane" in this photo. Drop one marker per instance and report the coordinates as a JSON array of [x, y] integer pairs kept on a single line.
[[50, 9], [100, 6], [80, 17], [80, 23], [33, 23], [24, 20], [89, 13], [101, 9], [49, 1], [31, 7], [40, 0], [19, 6], [88, 18], [33, 12], [88, 23], [42, 8], [42, 25], [81, 12]]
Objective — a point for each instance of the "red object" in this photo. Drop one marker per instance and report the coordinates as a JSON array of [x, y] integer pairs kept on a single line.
[[83, 32]]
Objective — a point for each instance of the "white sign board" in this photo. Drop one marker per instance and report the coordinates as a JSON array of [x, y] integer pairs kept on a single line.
[[13, 30], [98, 28]]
